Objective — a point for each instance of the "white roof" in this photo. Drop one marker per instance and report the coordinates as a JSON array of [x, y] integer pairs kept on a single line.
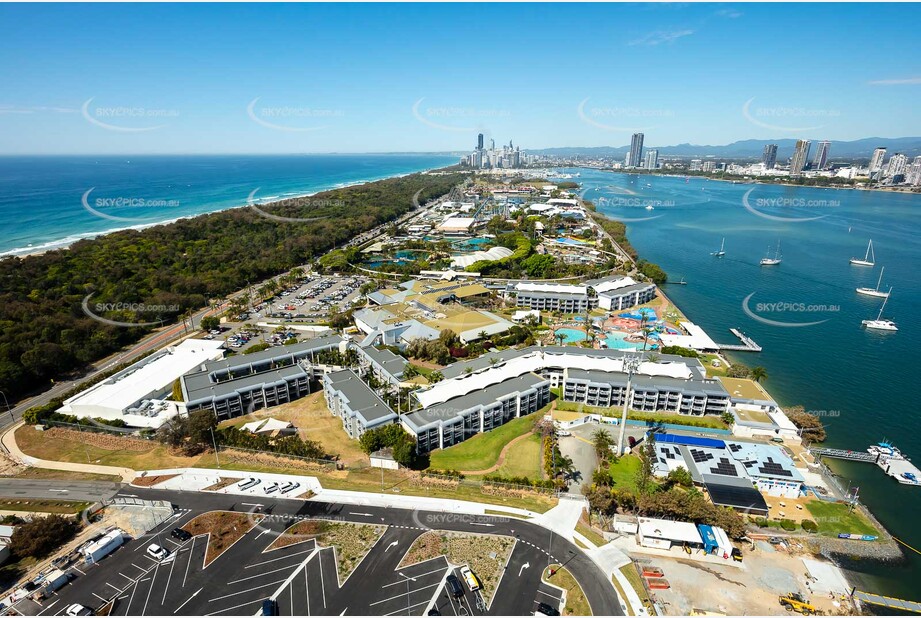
[[148, 376], [541, 207], [534, 362], [559, 288], [614, 284], [566, 202], [682, 531], [696, 339], [266, 425], [780, 419], [493, 254], [523, 315], [457, 222]]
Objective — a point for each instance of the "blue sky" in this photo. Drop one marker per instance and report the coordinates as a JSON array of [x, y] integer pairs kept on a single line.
[[285, 78]]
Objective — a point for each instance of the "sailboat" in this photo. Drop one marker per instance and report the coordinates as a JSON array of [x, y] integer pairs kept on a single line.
[[879, 323], [721, 252], [875, 291], [772, 261], [868, 260]]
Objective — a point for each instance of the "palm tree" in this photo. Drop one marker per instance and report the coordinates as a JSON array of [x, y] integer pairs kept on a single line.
[[758, 373], [602, 441]]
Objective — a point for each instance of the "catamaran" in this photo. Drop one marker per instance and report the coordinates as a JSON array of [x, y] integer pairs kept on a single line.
[[721, 252], [879, 323], [868, 260], [875, 291], [772, 261]]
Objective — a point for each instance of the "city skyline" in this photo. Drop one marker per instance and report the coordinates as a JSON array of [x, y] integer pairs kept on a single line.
[[361, 84]]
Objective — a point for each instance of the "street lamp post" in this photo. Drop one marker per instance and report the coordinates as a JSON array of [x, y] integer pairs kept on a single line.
[[408, 579], [214, 442], [8, 408], [631, 362]]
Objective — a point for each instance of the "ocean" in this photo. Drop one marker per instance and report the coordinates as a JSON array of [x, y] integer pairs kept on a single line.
[[854, 379], [51, 201]]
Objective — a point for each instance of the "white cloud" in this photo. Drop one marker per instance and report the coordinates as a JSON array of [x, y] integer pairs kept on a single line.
[[730, 13], [896, 82], [16, 109], [661, 36]]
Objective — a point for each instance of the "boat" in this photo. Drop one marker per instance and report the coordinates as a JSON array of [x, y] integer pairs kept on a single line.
[[721, 252], [875, 291], [857, 537], [650, 207], [868, 260], [885, 449], [879, 323], [772, 261]]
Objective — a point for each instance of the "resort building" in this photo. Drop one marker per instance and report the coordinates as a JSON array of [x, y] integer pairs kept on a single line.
[[452, 421], [384, 365], [353, 401], [139, 394], [240, 384], [611, 294]]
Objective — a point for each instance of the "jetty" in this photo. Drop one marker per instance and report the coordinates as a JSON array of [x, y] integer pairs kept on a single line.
[[890, 602], [748, 344], [892, 463]]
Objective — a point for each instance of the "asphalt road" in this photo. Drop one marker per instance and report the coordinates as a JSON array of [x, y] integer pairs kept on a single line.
[[304, 577], [80, 491]]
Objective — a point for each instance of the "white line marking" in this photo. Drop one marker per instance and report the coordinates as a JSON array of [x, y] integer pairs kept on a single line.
[[237, 581], [103, 599], [47, 608], [309, 551], [410, 608], [78, 571], [115, 587], [149, 590], [194, 594], [188, 564], [404, 594], [322, 583], [233, 594], [221, 611], [396, 583], [307, 595], [126, 577], [168, 579]]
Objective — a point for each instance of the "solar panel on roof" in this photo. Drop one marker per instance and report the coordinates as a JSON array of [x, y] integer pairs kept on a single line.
[[700, 456], [772, 467], [724, 467], [735, 448], [746, 499]]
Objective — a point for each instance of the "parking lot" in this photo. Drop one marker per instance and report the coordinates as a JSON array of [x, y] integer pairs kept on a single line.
[[302, 578]]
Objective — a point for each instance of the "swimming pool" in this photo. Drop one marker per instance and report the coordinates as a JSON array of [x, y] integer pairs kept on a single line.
[[569, 241], [571, 335], [615, 341]]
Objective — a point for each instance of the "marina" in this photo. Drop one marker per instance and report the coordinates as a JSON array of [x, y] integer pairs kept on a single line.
[[748, 344], [884, 455]]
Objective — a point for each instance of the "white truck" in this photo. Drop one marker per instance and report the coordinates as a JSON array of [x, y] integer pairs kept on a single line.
[[53, 581], [99, 549]]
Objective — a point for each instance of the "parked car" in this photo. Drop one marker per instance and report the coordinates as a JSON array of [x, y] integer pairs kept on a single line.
[[543, 609], [470, 579], [78, 610], [269, 607], [454, 586], [181, 535], [270, 488], [156, 552]]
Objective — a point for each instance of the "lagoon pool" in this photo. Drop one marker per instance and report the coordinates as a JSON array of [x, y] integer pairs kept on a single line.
[[570, 241], [571, 335], [615, 341]]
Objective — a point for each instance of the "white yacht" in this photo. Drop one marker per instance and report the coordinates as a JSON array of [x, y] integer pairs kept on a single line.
[[879, 323], [721, 252], [772, 261], [875, 291], [868, 260]]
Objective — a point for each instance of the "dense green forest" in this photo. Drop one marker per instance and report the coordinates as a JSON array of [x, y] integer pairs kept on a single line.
[[181, 266]]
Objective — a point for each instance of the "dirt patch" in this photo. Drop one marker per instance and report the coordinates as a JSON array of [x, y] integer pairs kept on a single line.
[[485, 554], [221, 484], [225, 529], [351, 541], [272, 461], [150, 481], [100, 440]]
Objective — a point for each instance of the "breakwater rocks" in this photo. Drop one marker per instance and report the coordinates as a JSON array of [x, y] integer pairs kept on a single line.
[[845, 552]]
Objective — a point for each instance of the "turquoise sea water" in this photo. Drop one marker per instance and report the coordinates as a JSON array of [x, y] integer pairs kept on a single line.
[[857, 381], [42, 200]]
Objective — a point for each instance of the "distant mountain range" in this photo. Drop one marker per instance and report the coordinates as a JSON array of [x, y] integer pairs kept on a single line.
[[752, 148]]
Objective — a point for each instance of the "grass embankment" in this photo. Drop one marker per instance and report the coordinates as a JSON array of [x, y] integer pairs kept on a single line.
[[710, 422], [474, 550], [835, 517], [636, 582], [352, 542], [225, 529], [482, 450], [590, 534], [32, 505], [523, 459], [576, 603], [624, 471]]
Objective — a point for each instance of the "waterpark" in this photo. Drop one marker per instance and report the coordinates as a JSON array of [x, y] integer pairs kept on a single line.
[[636, 329]]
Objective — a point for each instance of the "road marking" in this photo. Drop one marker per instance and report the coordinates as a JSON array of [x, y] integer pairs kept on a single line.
[[416, 576], [168, 579], [126, 577], [47, 608], [363, 514], [103, 599], [233, 594], [221, 611], [59, 491], [149, 590], [133, 590], [394, 544], [78, 571], [405, 594], [237, 581], [194, 594], [552, 596], [115, 587], [410, 608], [473, 523], [309, 551], [189, 563], [307, 590], [322, 583], [523, 567]]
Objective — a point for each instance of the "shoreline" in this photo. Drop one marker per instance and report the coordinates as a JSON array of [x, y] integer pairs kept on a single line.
[[67, 241], [754, 181]]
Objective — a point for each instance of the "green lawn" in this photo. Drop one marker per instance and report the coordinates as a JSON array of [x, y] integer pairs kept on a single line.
[[482, 450], [624, 472], [711, 422], [523, 459], [833, 517]]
